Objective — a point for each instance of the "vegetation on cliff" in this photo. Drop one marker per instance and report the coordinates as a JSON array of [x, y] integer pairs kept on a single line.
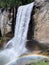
[[11, 3]]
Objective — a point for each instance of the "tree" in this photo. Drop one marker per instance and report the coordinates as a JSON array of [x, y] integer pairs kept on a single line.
[[11, 3]]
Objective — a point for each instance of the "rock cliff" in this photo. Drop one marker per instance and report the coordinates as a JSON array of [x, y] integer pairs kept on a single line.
[[41, 20]]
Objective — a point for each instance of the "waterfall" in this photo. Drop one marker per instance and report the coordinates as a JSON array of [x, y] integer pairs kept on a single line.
[[16, 46]]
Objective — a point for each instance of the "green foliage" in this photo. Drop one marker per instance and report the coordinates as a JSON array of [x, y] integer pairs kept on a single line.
[[11, 3], [29, 1], [43, 63], [34, 62], [2, 39]]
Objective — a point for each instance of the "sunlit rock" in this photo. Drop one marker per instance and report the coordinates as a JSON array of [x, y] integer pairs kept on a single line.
[[41, 19]]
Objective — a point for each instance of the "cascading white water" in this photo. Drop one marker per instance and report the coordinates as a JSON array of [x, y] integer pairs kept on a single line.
[[19, 40]]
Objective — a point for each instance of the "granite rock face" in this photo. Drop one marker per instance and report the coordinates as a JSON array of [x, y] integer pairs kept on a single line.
[[41, 19], [5, 23]]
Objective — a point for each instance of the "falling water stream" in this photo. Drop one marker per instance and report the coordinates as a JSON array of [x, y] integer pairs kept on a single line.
[[16, 46]]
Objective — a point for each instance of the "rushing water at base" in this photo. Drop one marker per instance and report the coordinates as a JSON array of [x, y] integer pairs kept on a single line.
[[16, 46]]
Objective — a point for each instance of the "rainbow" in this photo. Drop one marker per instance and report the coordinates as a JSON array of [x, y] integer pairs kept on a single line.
[[25, 56]]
